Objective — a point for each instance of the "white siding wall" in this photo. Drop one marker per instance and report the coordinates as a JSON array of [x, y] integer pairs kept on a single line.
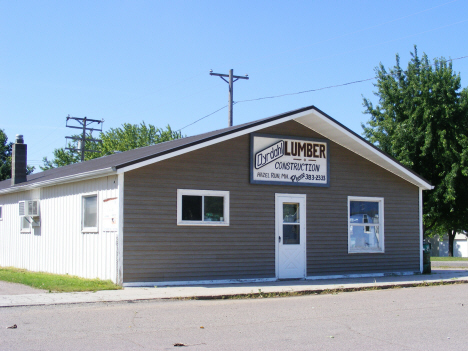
[[58, 245], [440, 248]]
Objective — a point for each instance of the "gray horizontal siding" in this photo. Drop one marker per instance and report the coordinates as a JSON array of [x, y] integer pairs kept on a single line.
[[156, 249]]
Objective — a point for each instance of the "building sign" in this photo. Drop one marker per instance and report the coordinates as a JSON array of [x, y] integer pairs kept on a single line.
[[276, 159]]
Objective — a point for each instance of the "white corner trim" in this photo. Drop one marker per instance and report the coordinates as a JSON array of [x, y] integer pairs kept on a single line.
[[421, 230], [119, 244], [62, 180], [198, 282], [213, 141]]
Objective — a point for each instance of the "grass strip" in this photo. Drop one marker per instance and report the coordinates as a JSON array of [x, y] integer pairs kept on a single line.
[[261, 295], [54, 282], [437, 259]]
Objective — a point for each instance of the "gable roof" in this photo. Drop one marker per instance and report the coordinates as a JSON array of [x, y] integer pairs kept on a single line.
[[310, 117]]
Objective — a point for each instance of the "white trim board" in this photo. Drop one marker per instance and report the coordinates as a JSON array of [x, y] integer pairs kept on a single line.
[[311, 118], [338, 134], [211, 142], [198, 282], [323, 125], [363, 275], [262, 280]]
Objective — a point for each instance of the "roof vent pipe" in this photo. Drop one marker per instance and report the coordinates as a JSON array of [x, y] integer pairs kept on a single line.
[[18, 160]]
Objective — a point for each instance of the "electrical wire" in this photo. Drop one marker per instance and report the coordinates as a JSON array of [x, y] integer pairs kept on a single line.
[[309, 91], [198, 120], [334, 86]]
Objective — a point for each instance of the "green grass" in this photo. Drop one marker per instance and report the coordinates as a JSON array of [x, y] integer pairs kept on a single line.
[[449, 258], [54, 282]]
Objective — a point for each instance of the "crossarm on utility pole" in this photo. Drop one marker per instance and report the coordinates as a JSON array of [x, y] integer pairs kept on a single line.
[[231, 81]]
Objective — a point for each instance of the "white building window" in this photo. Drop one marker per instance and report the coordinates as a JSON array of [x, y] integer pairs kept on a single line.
[[89, 213], [25, 225], [1, 213], [202, 207], [365, 225]]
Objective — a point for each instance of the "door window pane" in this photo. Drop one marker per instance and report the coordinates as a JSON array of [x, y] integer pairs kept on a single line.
[[290, 213], [214, 208], [191, 208], [90, 211], [291, 234]]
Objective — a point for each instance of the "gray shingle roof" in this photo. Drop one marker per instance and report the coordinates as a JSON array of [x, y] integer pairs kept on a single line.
[[130, 157]]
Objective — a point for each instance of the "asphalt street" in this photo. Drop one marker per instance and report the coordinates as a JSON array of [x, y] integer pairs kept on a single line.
[[420, 318]]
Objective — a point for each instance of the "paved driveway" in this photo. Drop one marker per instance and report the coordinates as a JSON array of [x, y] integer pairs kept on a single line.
[[18, 289]]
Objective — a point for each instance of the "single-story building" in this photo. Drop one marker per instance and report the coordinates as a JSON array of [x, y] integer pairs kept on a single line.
[[439, 247], [293, 196]]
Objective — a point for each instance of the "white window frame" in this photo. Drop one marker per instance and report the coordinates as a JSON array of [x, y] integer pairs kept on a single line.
[[25, 230], [224, 194], [380, 201], [89, 229]]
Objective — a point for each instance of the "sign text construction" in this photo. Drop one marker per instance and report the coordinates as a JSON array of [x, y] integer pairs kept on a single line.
[[277, 159]]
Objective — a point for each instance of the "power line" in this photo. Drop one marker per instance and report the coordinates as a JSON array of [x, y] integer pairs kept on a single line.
[[84, 122], [333, 86], [307, 91], [198, 120]]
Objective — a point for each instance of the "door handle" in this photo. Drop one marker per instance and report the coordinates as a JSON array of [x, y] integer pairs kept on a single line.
[[279, 239]]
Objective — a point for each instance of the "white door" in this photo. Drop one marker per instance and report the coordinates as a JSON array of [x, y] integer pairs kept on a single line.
[[290, 236]]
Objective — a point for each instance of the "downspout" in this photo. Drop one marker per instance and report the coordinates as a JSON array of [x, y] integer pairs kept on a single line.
[[421, 230], [119, 270]]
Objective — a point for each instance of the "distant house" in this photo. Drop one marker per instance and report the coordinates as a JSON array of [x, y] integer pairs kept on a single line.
[[439, 248], [293, 196]]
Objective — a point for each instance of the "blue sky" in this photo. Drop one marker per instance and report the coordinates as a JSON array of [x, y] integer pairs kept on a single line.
[[133, 61]]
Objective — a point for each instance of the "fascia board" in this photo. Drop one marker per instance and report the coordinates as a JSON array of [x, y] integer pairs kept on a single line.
[[340, 135], [213, 141], [62, 180]]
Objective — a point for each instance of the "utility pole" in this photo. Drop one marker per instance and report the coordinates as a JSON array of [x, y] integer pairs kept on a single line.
[[84, 122], [231, 88]]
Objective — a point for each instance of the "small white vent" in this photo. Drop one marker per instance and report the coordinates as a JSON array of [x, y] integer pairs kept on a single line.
[[29, 208]]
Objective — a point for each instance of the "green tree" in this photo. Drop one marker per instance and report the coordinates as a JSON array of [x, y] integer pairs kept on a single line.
[[422, 120], [5, 157], [128, 137]]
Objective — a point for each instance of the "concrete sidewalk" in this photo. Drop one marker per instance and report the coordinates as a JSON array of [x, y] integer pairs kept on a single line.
[[218, 291]]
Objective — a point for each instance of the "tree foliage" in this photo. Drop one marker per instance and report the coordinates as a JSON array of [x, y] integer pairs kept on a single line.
[[128, 137], [422, 120], [5, 157]]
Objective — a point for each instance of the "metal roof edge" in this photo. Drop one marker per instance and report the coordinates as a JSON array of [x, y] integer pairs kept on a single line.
[[62, 180]]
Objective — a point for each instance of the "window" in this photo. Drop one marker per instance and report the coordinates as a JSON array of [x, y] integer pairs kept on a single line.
[[89, 213], [202, 207], [25, 225], [366, 224], [1, 213]]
